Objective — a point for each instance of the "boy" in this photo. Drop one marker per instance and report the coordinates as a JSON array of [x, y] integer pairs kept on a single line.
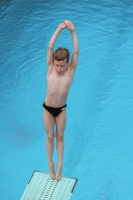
[[59, 78]]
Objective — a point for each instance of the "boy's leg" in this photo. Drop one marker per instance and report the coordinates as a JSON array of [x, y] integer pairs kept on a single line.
[[49, 127], [60, 127]]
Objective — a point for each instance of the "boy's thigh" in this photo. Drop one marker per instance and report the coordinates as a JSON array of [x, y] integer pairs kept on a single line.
[[60, 121], [48, 122]]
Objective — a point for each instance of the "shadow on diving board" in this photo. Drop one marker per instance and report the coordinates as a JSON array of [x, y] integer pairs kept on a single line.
[[41, 187]]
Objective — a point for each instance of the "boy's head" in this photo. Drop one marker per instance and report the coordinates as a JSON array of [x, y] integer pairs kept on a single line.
[[61, 54], [61, 58]]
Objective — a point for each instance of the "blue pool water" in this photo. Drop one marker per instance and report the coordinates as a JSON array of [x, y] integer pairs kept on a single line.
[[99, 133]]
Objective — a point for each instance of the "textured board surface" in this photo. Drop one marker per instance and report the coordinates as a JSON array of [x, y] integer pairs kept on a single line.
[[41, 187]]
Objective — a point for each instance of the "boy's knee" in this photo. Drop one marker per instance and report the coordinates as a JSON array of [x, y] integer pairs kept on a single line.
[[50, 138], [59, 137]]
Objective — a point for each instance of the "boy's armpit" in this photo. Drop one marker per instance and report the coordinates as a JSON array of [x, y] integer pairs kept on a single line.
[[50, 67]]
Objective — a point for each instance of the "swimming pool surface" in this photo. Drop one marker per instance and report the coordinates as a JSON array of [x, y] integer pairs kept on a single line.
[[99, 133]]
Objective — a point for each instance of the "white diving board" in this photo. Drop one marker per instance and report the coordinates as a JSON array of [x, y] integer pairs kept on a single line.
[[42, 187]]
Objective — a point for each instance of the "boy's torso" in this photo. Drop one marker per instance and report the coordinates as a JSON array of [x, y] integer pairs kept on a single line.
[[58, 87]]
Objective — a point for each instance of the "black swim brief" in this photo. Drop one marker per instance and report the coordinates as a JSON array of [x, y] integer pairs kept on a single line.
[[54, 111]]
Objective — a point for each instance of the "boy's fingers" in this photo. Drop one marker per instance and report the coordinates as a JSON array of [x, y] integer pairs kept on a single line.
[[65, 22]]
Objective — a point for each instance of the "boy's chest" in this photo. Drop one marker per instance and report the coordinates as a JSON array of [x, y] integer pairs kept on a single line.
[[65, 79]]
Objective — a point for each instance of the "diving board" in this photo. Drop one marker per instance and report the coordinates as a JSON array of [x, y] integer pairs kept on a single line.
[[42, 187]]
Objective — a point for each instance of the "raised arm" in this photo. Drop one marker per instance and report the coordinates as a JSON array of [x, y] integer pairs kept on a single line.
[[50, 52], [74, 60]]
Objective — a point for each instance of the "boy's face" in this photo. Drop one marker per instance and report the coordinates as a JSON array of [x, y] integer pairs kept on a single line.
[[60, 66]]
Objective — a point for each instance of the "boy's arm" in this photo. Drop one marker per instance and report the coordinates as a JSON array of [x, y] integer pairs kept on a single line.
[[75, 50], [74, 60], [50, 52]]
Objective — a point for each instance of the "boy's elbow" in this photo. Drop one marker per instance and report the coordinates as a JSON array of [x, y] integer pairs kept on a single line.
[[50, 47], [76, 50]]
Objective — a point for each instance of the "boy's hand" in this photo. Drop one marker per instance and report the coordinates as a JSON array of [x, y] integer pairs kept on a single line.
[[69, 25], [62, 26]]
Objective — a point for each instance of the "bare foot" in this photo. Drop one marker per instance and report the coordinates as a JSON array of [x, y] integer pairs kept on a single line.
[[58, 173], [51, 170]]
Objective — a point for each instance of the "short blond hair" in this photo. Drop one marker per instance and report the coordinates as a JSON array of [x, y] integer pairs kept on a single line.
[[61, 54]]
